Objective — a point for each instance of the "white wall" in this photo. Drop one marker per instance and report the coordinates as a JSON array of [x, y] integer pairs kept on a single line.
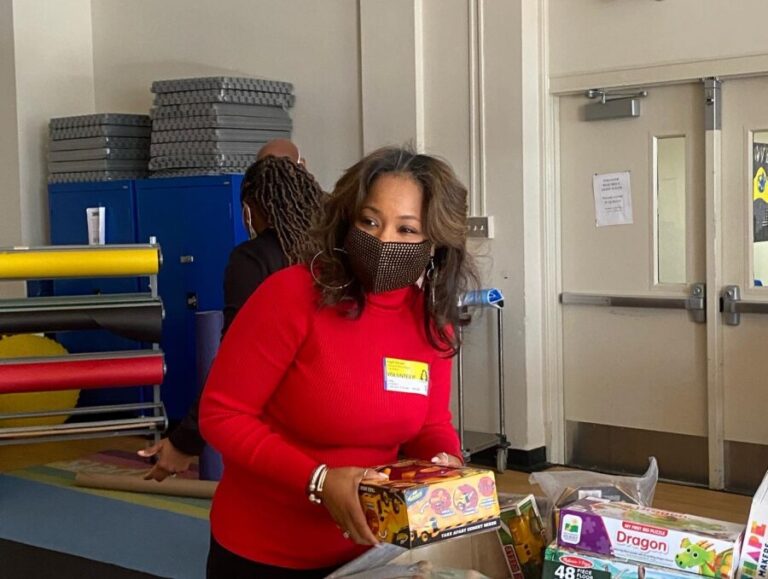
[[312, 44]]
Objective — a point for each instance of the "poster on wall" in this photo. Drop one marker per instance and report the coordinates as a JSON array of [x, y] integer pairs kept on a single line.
[[613, 198], [760, 191]]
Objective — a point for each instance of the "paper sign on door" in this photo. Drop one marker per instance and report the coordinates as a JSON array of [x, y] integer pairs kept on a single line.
[[613, 199]]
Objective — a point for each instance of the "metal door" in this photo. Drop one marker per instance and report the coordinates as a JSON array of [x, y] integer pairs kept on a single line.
[[743, 324], [634, 348]]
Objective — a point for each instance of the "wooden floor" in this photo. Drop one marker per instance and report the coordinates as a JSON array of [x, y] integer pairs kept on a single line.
[[673, 497]]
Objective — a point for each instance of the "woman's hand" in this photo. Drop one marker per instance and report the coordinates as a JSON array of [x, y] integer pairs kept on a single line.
[[445, 459], [170, 460], [341, 499]]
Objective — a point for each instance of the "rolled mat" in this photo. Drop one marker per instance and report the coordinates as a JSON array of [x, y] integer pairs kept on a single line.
[[79, 261], [109, 370], [132, 316], [31, 346], [208, 327], [136, 317], [179, 487]]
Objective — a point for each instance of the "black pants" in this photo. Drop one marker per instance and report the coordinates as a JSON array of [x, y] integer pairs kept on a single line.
[[224, 564]]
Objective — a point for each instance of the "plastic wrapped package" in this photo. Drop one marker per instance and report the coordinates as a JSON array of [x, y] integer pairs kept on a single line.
[[563, 487]]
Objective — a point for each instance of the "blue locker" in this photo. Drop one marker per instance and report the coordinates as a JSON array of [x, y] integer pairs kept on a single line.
[[196, 221], [67, 203]]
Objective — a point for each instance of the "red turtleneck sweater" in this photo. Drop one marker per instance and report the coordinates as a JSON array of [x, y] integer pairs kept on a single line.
[[295, 385]]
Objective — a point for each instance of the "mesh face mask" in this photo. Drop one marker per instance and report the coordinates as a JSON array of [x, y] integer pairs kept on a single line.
[[385, 266]]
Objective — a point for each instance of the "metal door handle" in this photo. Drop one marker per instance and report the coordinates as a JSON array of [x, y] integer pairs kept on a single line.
[[187, 259], [695, 303], [732, 305]]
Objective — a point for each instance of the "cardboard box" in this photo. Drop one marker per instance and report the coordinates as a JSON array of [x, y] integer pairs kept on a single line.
[[563, 563], [422, 503], [753, 563], [644, 535], [478, 552], [521, 535]]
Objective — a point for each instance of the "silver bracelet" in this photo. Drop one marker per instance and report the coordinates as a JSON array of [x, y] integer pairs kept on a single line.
[[316, 481]]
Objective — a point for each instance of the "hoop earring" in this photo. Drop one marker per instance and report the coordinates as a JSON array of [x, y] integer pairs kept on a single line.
[[430, 273], [317, 281], [430, 276]]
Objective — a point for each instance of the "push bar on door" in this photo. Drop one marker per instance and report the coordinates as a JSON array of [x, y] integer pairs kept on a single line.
[[732, 306], [694, 303]]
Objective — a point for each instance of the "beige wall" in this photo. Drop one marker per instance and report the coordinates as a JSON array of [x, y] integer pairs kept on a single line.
[[445, 75], [367, 74], [312, 44], [482, 112], [54, 77], [10, 201], [639, 41], [46, 70]]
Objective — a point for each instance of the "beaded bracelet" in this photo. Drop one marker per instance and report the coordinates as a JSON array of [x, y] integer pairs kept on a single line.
[[316, 482]]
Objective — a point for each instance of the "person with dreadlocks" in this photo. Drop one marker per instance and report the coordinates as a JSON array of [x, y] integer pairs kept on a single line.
[[280, 200], [337, 365]]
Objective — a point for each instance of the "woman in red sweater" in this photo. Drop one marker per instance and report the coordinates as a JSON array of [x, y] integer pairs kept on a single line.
[[336, 366]]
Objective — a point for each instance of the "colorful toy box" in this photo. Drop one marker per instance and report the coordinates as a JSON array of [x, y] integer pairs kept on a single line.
[[521, 535], [662, 538], [753, 563], [422, 502], [563, 563]]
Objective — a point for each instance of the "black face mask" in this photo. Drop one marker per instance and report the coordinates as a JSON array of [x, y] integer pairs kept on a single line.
[[385, 266]]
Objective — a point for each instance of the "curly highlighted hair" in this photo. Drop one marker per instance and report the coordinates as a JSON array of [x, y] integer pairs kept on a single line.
[[444, 223], [288, 197]]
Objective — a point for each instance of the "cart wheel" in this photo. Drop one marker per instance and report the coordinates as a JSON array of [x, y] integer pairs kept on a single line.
[[501, 460]]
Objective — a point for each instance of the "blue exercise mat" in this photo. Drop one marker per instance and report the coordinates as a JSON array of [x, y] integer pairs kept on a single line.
[[151, 540]]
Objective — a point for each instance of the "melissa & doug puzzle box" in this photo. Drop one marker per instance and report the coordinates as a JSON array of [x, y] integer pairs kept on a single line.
[[563, 563], [673, 540]]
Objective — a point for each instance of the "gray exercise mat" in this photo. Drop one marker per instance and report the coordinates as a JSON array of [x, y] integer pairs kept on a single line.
[[101, 131], [223, 122], [216, 135], [98, 142], [90, 176], [201, 162], [190, 172], [193, 148], [100, 119], [244, 97], [221, 82], [219, 109], [99, 153], [97, 165]]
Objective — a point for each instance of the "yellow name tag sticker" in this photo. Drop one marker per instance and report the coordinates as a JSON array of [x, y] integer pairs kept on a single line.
[[407, 376]]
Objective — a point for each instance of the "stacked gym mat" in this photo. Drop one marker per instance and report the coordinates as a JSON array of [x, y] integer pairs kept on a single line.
[[98, 147], [214, 125]]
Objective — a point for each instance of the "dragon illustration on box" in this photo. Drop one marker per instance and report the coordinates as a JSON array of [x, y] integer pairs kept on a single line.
[[702, 555]]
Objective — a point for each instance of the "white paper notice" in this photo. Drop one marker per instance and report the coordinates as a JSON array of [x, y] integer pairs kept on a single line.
[[96, 229], [613, 199]]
